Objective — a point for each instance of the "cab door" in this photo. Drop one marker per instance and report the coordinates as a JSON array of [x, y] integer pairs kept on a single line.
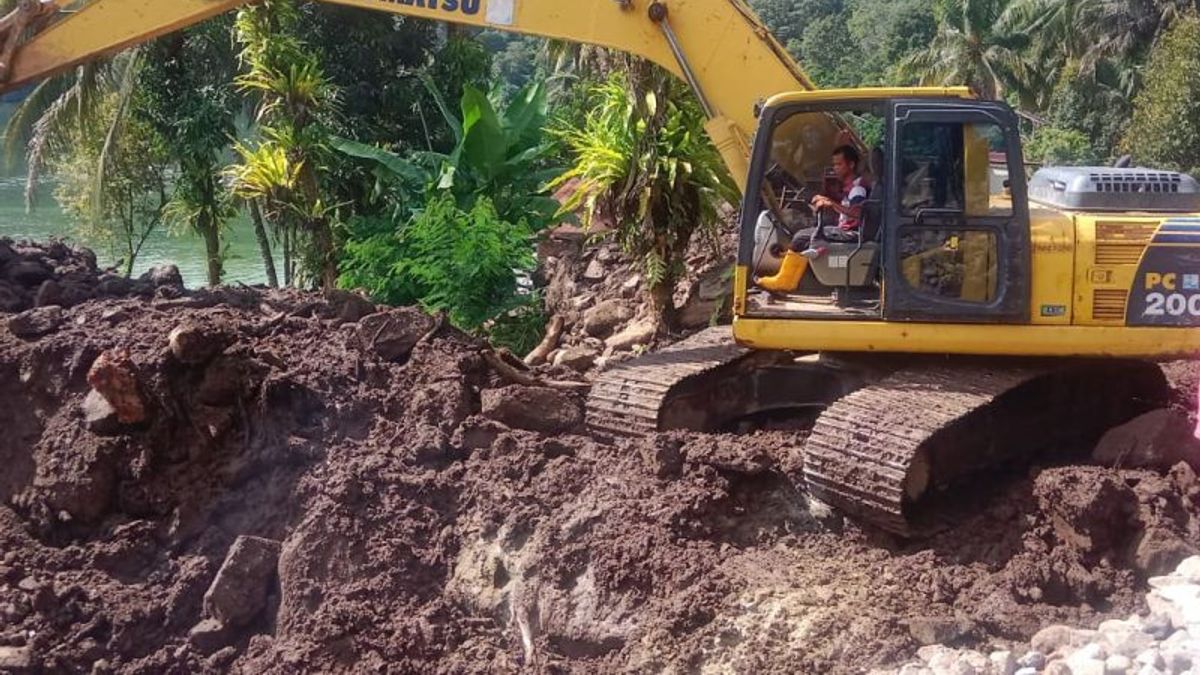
[[956, 249]]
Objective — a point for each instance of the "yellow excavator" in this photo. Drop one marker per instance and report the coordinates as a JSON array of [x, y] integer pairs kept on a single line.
[[975, 317]]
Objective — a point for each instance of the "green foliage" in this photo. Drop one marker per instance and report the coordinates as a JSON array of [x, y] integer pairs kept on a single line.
[[133, 197], [981, 48], [499, 153], [520, 330], [296, 102], [1053, 146], [645, 158], [465, 263], [1086, 103], [1165, 130], [186, 91]]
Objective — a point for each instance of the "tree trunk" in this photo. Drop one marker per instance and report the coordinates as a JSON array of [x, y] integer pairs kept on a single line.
[[287, 255], [264, 244], [324, 242], [662, 301], [212, 245]]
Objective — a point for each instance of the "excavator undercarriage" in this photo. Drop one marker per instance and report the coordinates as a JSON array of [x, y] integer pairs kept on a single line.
[[893, 434]]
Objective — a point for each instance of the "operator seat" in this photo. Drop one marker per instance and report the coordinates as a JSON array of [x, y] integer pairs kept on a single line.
[[855, 264]]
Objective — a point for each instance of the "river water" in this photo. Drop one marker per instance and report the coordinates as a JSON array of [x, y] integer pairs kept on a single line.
[[243, 264]]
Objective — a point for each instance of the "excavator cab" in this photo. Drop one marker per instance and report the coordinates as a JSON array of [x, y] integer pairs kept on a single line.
[[936, 240]]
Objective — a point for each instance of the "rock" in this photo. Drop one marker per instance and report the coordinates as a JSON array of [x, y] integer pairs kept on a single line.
[[1117, 665], [1125, 639], [1026, 671], [28, 273], [541, 409], [1034, 659], [1157, 626], [929, 653], [49, 293], [709, 298], [1151, 658], [36, 323], [346, 307], [98, 414], [11, 299], [1180, 604], [1150, 670], [932, 630], [595, 271], [163, 276], [973, 662], [1002, 663], [1189, 569], [391, 335], [1177, 658], [72, 294], [113, 376], [1159, 551], [638, 333], [1158, 439], [601, 320], [16, 660], [580, 358], [209, 636], [1059, 638], [196, 344], [914, 669], [114, 285], [1057, 668], [239, 591]]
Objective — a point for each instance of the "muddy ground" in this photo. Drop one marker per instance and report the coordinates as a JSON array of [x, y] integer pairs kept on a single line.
[[379, 521]]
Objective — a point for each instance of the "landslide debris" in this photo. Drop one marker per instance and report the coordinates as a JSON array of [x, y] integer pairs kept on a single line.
[[56, 274], [313, 486]]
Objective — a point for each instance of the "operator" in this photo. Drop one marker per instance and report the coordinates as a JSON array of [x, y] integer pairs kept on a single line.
[[807, 243]]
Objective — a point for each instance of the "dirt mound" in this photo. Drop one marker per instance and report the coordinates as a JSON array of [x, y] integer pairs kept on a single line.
[[370, 515]]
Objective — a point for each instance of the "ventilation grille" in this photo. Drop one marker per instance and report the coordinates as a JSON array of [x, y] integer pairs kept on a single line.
[[1140, 181], [1122, 243], [1109, 305], [1118, 254]]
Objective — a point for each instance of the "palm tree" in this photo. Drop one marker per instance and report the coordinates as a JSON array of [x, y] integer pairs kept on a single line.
[[978, 47], [42, 124]]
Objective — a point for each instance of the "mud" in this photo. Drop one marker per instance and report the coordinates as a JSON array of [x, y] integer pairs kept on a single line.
[[415, 534]]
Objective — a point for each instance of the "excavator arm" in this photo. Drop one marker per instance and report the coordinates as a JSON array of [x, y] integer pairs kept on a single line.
[[719, 47]]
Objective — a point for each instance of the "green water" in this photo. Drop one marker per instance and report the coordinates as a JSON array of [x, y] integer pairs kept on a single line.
[[243, 264]]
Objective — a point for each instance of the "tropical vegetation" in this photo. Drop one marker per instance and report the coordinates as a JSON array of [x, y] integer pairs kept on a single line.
[[416, 162]]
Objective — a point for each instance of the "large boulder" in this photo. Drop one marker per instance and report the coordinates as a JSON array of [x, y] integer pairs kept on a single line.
[[239, 592], [28, 273], [541, 409], [163, 275], [581, 358], [36, 322], [601, 320], [345, 307], [709, 298], [1159, 439], [391, 335], [637, 333]]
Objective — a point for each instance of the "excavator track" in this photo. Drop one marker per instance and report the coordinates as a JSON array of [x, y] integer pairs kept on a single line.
[[882, 451], [628, 400]]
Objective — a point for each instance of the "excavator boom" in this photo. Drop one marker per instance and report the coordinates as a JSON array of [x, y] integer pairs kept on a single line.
[[718, 46]]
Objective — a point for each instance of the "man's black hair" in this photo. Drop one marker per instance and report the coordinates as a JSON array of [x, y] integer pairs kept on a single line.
[[849, 154]]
